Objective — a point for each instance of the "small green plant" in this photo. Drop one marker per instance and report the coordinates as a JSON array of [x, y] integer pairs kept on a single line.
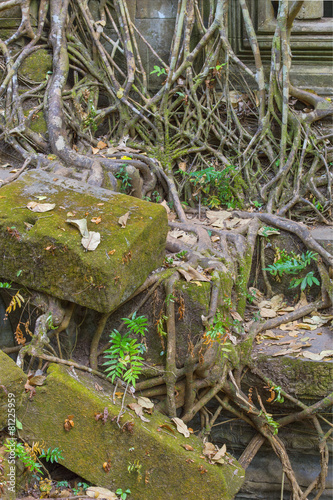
[[170, 298], [278, 396], [308, 280], [5, 285], [51, 455], [89, 122], [293, 264], [23, 455], [271, 422], [135, 467], [123, 175], [268, 230], [168, 261], [81, 488], [123, 357], [49, 322], [213, 185], [159, 71], [123, 494], [181, 254], [257, 204], [62, 484]]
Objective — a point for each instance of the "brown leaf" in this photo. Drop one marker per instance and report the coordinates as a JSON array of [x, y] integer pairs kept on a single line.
[[123, 219], [37, 380], [165, 426], [111, 252], [145, 402], [182, 166], [40, 207], [94, 150], [220, 454], [96, 220], [209, 449], [267, 313], [188, 447], [101, 145]]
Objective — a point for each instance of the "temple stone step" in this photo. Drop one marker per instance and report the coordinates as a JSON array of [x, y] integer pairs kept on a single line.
[[43, 251]]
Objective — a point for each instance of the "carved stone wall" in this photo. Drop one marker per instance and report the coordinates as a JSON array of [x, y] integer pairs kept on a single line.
[[311, 41]]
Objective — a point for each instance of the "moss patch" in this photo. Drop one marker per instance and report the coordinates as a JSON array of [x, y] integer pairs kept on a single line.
[[305, 378], [12, 379], [36, 65], [49, 253], [90, 443]]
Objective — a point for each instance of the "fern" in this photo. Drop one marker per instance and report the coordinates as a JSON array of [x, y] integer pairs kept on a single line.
[[16, 301], [123, 356]]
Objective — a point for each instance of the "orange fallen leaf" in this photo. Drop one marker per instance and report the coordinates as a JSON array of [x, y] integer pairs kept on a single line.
[[101, 145], [94, 150], [96, 220], [112, 252]]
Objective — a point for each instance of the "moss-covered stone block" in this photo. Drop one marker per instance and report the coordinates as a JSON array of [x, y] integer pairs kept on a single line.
[[305, 378], [36, 66], [12, 380], [44, 252], [167, 470]]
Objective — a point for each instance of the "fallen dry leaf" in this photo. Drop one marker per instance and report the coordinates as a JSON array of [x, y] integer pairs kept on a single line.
[[145, 402], [98, 492], [101, 145], [96, 220], [209, 449], [166, 206], [318, 357], [269, 334], [81, 224], [191, 274], [305, 326], [181, 427], [218, 457], [37, 380], [92, 241], [267, 313], [123, 219], [94, 150], [40, 207], [188, 447]]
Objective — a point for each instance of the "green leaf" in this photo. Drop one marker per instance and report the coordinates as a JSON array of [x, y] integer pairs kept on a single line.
[[18, 424]]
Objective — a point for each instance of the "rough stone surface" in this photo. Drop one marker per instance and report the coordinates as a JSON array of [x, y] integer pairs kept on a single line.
[[49, 254], [90, 443], [36, 65], [12, 380], [151, 9], [324, 236]]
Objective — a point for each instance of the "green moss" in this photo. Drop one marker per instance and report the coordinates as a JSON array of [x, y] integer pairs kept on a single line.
[[90, 443], [38, 123], [36, 65], [50, 255], [196, 294], [307, 379]]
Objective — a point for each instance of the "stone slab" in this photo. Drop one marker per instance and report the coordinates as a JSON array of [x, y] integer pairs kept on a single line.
[[324, 236], [165, 471], [12, 380], [298, 375], [43, 252], [156, 9]]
